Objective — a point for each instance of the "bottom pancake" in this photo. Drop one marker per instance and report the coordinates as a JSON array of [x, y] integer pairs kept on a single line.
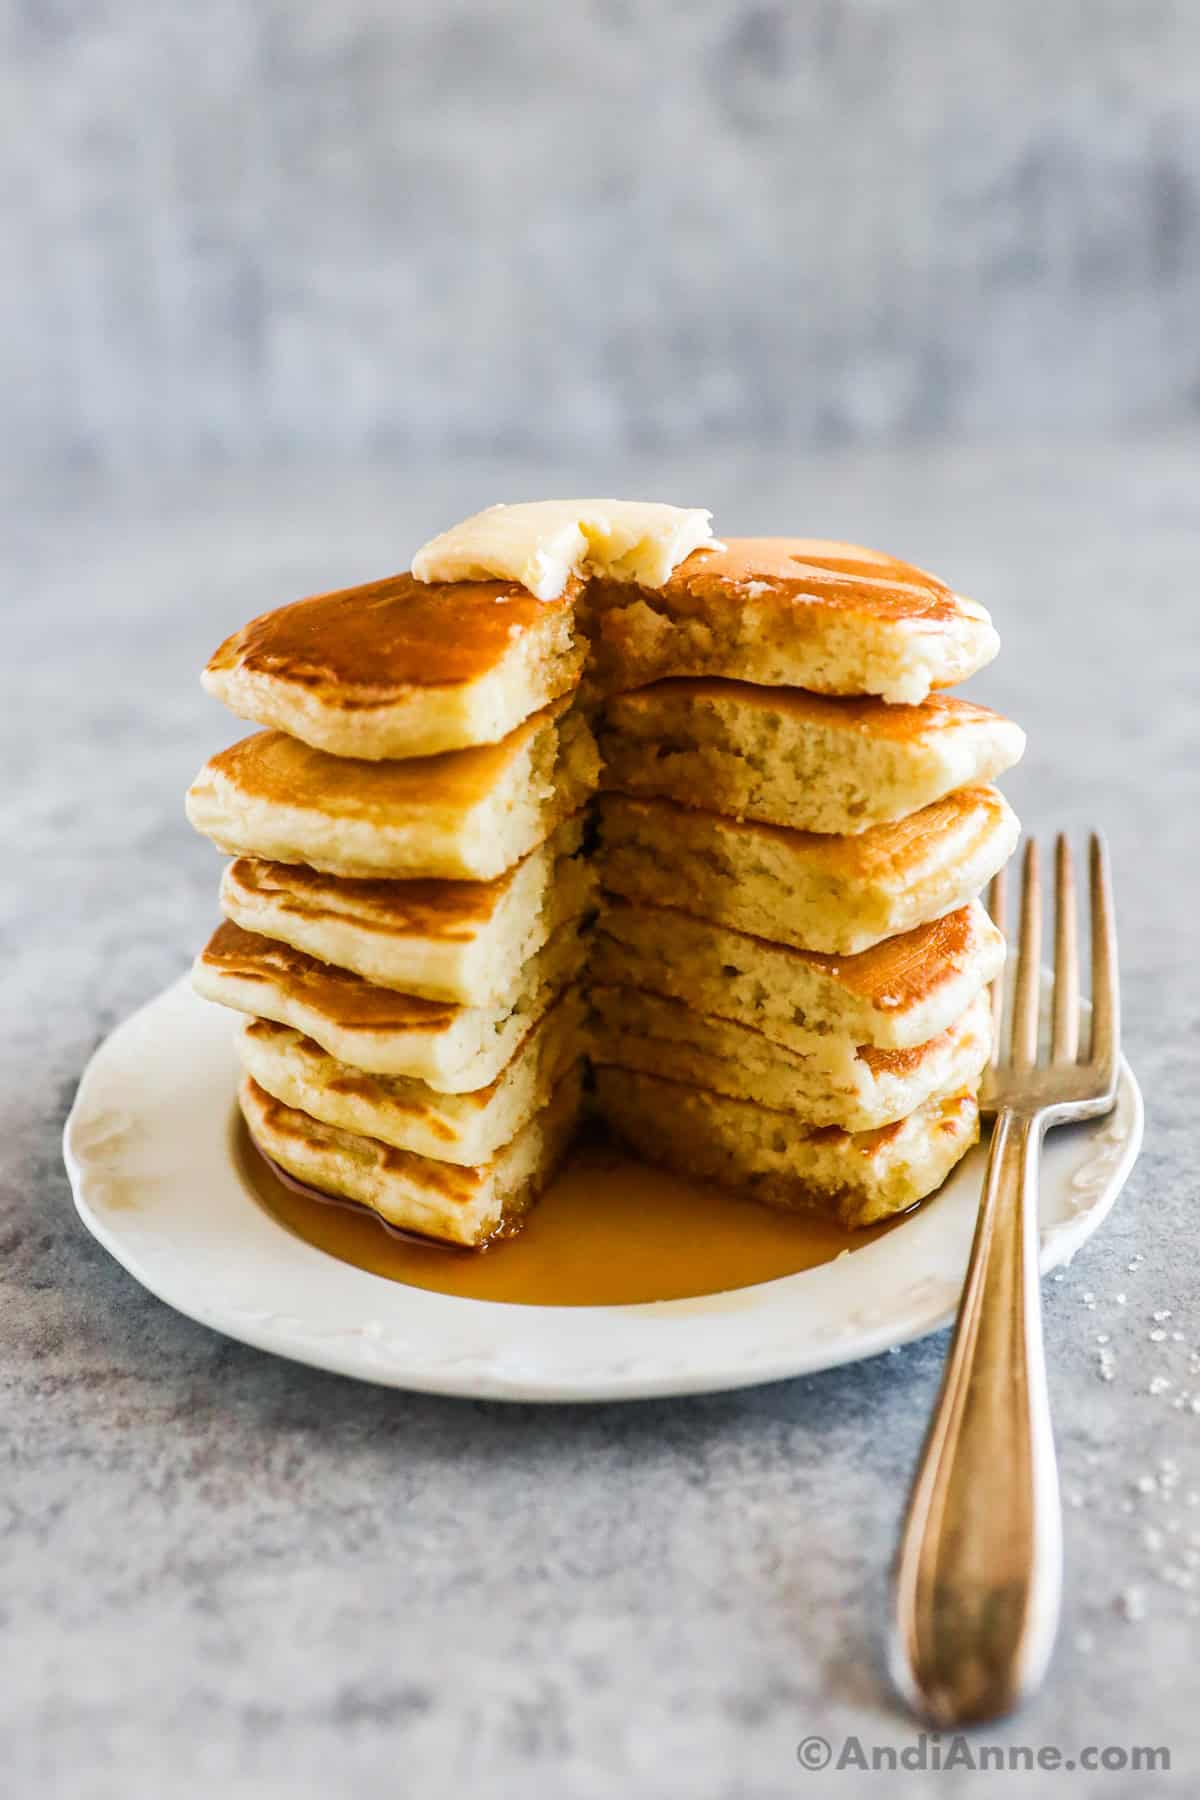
[[461, 1205], [466, 1128], [774, 1157]]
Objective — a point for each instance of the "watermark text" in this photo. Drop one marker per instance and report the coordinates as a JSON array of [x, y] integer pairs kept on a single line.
[[935, 1750]]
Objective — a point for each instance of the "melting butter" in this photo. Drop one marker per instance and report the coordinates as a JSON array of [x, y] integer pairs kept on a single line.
[[542, 543]]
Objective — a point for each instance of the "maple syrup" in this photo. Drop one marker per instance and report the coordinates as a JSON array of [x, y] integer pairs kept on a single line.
[[609, 1231]]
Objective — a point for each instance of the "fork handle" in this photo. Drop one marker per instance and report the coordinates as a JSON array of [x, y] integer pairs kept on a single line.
[[978, 1576]]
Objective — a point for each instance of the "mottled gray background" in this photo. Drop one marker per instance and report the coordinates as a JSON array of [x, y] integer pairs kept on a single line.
[[287, 287], [259, 228]]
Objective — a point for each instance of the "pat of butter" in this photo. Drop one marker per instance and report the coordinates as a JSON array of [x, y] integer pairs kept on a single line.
[[541, 543]]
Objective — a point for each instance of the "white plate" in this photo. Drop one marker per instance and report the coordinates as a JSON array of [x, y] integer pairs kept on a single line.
[[148, 1151]]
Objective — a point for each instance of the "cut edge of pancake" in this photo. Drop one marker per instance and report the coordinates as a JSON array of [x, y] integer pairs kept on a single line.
[[720, 616], [455, 1048], [839, 896], [275, 686], [644, 1032], [859, 1177], [470, 1206], [546, 776], [834, 766], [896, 995], [467, 1128], [443, 944]]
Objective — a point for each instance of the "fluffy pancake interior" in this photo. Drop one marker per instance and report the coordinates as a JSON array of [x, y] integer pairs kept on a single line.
[[834, 894], [779, 1159], [792, 758], [641, 1031], [897, 994], [789, 612]]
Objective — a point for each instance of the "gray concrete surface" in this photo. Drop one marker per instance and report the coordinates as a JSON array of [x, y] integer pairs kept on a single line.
[[223, 1574], [332, 230]]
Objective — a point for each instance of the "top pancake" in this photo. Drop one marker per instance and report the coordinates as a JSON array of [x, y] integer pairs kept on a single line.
[[401, 668], [791, 612]]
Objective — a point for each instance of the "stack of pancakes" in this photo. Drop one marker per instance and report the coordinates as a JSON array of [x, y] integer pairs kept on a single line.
[[780, 984]]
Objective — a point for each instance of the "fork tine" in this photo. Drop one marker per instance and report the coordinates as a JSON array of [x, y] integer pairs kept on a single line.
[[1065, 1032], [996, 905], [1106, 1021], [1029, 956]]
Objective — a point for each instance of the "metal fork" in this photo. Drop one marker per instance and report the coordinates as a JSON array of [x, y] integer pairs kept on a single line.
[[978, 1574]]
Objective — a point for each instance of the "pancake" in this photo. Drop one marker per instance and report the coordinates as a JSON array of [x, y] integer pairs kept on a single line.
[[788, 757], [468, 1206], [774, 1157], [455, 1048], [898, 994], [468, 813], [640, 1031], [789, 612], [815, 892], [459, 1128], [399, 668], [466, 941], [402, 668]]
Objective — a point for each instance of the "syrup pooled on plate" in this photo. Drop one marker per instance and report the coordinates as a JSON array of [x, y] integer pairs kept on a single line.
[[608, 1231]]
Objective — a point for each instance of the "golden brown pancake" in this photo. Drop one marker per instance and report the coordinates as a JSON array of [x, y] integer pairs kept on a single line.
[[777, 1158], [399, 668], [465, 941], [787, 757], [641, 1031], [790, 612], [464, 1128], [456, 1048], [899, 993], [466, 814], [462, 1205], [816, 892]]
